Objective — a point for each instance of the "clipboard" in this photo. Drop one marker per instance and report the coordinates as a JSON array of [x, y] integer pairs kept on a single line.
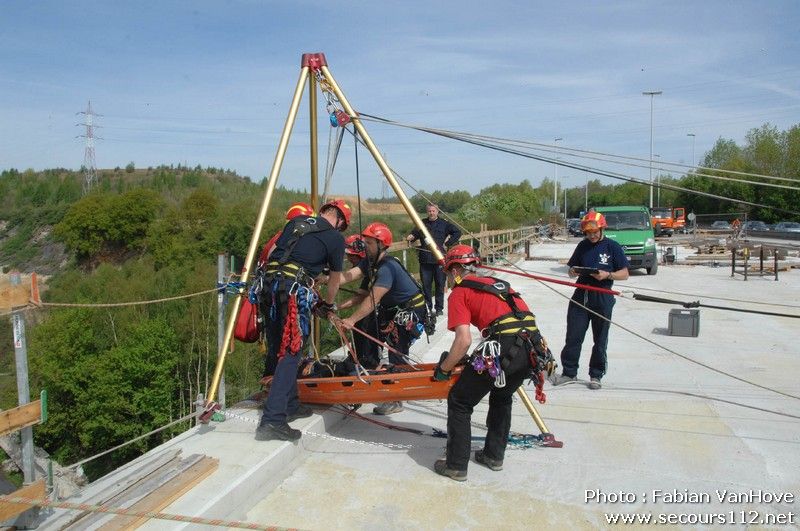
[[585, 270]]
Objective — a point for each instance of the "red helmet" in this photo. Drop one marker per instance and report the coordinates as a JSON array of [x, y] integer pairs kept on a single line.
[[299, 209], [593, 221], [342, 207], [354, 245], [379, 231], [461, 254]]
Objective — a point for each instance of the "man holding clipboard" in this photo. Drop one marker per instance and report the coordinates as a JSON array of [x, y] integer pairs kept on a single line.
[[596, 261]]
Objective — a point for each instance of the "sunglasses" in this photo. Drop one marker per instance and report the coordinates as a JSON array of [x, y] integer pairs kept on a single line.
[[591, 232]]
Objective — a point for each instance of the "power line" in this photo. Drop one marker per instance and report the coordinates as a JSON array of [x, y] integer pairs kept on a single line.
[[561, 150], [595, 171]]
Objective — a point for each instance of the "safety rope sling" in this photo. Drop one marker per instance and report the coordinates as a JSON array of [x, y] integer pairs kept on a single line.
[[406, 314], [288, 288], [510, 341]]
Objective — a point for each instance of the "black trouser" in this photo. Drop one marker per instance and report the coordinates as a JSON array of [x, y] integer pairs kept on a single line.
[[470, 389], [401, 338], [367, 351], [578, 321], [429, 273]]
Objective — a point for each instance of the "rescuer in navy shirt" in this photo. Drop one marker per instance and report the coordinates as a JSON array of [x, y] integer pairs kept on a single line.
[[607, 256], [401, 309], [286, 298], [445, 234]]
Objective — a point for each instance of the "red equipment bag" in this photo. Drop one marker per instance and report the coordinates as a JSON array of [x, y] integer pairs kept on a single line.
[[246, 329]]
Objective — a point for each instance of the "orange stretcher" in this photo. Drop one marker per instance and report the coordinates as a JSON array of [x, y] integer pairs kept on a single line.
[[416, 384]]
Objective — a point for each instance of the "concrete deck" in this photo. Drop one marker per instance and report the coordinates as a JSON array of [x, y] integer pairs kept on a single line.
[[661, 436]]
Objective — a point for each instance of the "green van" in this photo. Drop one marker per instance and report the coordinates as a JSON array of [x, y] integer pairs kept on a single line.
[[630, 227]]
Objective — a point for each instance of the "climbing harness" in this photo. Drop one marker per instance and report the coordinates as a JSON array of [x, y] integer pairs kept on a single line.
[[511, 341]]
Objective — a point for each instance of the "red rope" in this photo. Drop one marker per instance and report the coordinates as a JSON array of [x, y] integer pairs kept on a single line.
[[540, 396], [373, 339], [554, 280], [292, 338]]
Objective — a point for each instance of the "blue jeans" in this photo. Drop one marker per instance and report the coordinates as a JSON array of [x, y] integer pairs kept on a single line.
[[578, 321], [429, 273]]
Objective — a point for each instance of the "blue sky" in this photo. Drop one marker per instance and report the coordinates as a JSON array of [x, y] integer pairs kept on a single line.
[[202, 82]]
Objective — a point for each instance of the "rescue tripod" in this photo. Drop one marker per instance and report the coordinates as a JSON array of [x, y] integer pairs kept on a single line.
[[314, 70]]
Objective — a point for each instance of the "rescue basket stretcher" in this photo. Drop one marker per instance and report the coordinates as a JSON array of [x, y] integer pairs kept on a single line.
[[416, 384]]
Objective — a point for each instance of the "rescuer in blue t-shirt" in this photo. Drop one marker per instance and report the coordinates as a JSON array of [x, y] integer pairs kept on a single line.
[[394, 293], [607, 256]]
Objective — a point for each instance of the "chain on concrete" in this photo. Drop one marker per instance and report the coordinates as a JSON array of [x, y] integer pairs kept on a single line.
[[393, 446]]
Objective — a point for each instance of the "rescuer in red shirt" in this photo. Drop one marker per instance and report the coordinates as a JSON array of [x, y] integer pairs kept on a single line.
[[512, 350]]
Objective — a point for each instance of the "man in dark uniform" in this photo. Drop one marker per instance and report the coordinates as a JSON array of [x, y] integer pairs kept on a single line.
[[367, 351], [445, 234], [512, 350], [595, 252], [306, 246], [392, 289], [294, 210]]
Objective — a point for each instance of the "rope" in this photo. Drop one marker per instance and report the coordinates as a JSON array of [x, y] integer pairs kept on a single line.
[[696, 304], [85, 507], [695, 294], [554, 280], [613, 175], [228, 414], [556, 161], [564, 150], [338, 321], [148, 434], [117, 304], [683, 356], [291, 332], [372, 268]]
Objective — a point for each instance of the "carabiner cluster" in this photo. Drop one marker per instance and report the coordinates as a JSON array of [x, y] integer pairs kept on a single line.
[[336, 115], [486, 357]]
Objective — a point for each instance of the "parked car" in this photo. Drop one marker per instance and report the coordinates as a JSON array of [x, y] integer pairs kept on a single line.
[[787, 226], [574, 227], [721, 225], [755, 226]]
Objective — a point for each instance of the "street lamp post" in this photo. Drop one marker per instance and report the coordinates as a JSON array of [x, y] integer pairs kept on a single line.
[[651, 93], [555, 182], [658, 184], [692, 135], [565, 203], [586, 195]]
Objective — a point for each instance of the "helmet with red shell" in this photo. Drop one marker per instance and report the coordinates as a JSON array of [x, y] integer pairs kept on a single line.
[[461, 254], [379, 231]]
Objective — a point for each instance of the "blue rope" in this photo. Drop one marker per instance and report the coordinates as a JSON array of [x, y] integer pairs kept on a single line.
[[517, 440], [306, 298]]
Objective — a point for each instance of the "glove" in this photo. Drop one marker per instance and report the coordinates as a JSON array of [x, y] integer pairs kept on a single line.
[[322, 309], [439, 375], [430, 324]]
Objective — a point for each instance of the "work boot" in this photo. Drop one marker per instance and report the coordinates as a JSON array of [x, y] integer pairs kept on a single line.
[[277, 432], [488, 462], [301, 412], [594, 384], [439, 313], [440, 467], [387, 408], [560, 379]]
